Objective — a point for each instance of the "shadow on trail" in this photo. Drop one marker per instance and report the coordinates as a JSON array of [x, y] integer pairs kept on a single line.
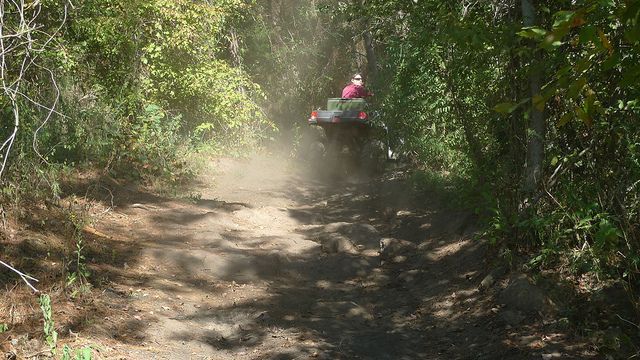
[[45, 243], [119, 249], [419, 304]]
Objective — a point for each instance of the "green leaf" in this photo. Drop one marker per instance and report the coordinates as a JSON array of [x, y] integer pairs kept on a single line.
[[66, 352], [630, 76], [583, 65], [589, 104], [611, 62], [607, 234], [152, 108], [84, 353], [633, 34], [552, 41], [604, 40], [564, 119], [505, 107], [576, 87], [588, 34], [582, 115], [532, 33], [563, 18]]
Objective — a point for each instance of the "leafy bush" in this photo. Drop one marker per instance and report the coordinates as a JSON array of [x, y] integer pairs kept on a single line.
[[153, 147]]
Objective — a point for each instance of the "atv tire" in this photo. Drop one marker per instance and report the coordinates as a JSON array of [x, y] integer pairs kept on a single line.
[[311, 146], [315, 151], [373, 157]]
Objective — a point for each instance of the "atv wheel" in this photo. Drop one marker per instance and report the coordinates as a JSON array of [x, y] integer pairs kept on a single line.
[[373, 156], [316, 151], [311, 143]]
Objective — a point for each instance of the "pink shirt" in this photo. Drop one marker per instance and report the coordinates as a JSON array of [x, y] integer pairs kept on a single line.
[[354, 91]]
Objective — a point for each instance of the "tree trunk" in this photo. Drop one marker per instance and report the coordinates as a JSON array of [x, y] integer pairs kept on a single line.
[[234, 48], [372, 60], [367, 37], [536, 129]]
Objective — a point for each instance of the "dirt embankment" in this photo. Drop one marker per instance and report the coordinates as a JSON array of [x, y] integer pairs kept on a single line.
[[272, 262]]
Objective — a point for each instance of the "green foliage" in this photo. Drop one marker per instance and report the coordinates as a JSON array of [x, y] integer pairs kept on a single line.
[[217, 100], [456, 95], [137, 88], [438, 86], [50, 333], [593, 140], [154, 146], [78, 277], [300, 53], [81, 354]]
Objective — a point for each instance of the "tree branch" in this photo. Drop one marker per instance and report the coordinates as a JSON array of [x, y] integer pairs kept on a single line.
[[24, 276]]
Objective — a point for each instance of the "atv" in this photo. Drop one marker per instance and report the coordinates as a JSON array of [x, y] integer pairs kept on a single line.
[[349, 136]]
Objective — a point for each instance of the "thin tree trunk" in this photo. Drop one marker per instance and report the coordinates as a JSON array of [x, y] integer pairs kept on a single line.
[[367, 37], [372, 60], [234, 48], [536, 130]]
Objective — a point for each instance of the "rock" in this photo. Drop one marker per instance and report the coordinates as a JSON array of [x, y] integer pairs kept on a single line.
[[522, 295], [336, 227], [343, 237], [490, 279], [391, 248], [512, 318], [554, 355], [362, 235], [333, 243], [487, 282], [365, 235], [35, 246]]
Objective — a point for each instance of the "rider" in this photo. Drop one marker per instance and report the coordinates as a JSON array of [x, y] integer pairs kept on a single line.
[[355, 89]]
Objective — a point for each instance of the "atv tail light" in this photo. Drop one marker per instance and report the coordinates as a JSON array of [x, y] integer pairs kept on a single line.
[[362, 115], [314, 117]]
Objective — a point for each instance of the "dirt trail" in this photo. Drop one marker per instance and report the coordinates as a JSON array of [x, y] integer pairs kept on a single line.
[[275, 263]]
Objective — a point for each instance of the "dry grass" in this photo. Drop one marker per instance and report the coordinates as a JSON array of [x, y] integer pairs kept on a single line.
[[39, 241]]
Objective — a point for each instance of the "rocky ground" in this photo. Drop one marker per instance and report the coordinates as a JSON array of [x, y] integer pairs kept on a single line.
[[269, 259]]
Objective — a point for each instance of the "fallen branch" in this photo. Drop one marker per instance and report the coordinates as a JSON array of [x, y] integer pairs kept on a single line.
[[24, 276], [628, 322]]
